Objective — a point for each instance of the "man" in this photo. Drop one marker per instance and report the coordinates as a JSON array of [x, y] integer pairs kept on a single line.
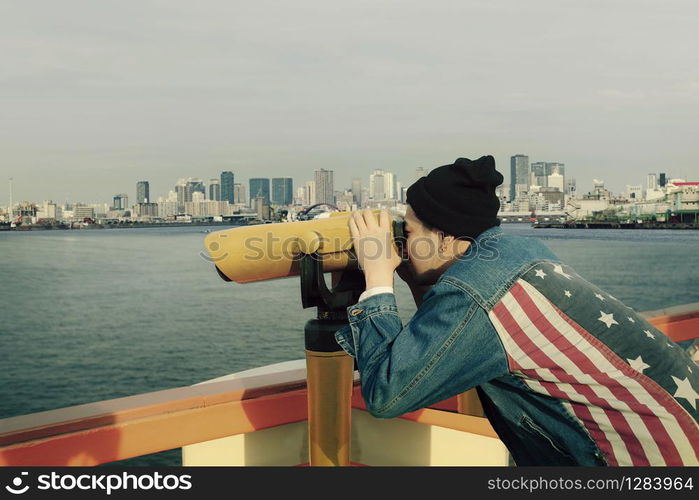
[[566, 373]]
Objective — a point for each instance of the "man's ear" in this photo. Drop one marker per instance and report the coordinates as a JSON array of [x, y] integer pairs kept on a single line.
[[447, 238]]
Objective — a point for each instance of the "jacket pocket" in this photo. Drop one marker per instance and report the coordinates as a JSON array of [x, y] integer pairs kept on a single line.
[[552, 452]]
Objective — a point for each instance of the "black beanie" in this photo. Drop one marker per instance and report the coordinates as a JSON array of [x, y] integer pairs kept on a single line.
[[458, 199]]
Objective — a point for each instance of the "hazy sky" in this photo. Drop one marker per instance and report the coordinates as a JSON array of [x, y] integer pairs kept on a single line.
[[97, 94]]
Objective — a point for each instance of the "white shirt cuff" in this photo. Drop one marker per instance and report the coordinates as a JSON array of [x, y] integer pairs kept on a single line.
[[375, 291]]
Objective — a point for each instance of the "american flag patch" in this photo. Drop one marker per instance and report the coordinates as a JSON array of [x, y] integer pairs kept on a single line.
[[631, 388]]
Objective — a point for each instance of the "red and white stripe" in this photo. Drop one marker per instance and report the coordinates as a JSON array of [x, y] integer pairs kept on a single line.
[[632, 419]]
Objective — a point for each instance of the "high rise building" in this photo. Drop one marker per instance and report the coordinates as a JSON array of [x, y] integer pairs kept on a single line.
[[390, 179], [214, 189], [259, 187], [300, 195], [146, 210], [310, 194], [571, 187], [324, 186], [382, 185], [377, 185], [357, 191], [180, 189], [121, 202], [652, 182], [662, 180], [195, 186], [554, 167], [239, 194], [539, 174], [227, 184], [282, 191], [555, 180], [262, 208], [185, 187], [142, 192], [519, 175]]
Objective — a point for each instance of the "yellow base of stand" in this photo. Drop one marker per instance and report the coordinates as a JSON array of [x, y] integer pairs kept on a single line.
[[329, 407]]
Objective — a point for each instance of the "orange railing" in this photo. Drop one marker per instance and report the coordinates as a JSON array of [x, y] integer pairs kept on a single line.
[[122, 428]]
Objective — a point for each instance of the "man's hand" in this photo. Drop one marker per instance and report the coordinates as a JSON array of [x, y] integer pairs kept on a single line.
[[373, 244]]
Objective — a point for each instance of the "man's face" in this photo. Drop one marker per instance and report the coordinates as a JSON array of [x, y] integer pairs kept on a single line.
[[422, 247]]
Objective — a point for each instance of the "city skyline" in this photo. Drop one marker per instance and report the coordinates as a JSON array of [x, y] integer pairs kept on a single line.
[[92, 100], [583, 185]]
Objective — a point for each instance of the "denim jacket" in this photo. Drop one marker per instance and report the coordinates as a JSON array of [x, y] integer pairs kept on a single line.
[[567, 374]]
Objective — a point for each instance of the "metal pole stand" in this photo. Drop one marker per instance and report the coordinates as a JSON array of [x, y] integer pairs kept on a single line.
[[329, 368]]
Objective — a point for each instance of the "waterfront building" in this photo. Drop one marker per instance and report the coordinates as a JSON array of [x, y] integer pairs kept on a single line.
[[344, 201], [282, 191], [142, 192], [239, 195], [81, 212], [377, 185], [300, 194], [215, 190], [382, 185], [652, 182], [146, 210], [48, 210], [324, 186], [309, 193], [634, 192], [195, 186], [207, 208], [357, 190], [120, 202], [259, 186], [262, 208], [520, 175], [555, 180], [228, 187], [539, 174], [167, 209]]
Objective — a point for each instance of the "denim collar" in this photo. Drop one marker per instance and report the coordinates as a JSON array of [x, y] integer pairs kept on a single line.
[[494, 262]]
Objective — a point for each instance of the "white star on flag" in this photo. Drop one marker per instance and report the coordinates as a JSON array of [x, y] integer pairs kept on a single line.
[[559, 269], [648, 334], [599, 297], [568, 294], [540, 273], [686, 391], [638, 364], [607, 319], [631, 319]]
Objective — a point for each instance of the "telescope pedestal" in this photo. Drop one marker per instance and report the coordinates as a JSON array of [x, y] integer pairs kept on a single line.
[[329, 375], [329, 369]]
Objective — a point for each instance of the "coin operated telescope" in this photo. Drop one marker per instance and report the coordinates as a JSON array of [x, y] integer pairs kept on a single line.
[[309, 249]]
